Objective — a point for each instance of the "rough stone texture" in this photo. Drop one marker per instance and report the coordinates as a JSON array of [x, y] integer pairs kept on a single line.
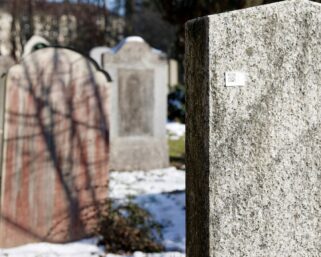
[[254, 152], [56, 147], [138, 105], [5, 63]]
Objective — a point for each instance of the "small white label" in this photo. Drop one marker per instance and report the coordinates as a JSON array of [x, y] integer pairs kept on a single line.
[[235, 78]]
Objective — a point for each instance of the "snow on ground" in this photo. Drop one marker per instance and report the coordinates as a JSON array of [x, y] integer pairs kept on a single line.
[[134, 183], [175, 130], [162, 192], [140, 254], [169, 210], [84, 248]]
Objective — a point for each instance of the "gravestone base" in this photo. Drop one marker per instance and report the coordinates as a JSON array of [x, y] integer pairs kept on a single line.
[[130, 155]]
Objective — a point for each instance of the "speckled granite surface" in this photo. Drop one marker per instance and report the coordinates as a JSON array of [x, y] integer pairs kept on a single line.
[[253, 152]]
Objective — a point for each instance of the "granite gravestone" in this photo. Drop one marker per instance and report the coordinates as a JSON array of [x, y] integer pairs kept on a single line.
[[55, 150], [138, 105], [254, 132]]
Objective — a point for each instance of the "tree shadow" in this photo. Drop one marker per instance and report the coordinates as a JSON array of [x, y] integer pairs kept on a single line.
[[55, 148]]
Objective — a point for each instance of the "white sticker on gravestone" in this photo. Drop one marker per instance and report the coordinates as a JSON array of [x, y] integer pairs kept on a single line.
[[235, 78]]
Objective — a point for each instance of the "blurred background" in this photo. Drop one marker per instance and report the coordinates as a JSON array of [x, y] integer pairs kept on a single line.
[[86, 24], [83, 24]]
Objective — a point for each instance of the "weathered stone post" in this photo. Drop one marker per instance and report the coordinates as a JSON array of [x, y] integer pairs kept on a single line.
[[254, 132]]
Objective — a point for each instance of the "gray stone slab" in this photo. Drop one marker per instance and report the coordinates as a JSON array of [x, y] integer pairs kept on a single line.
[[253, 151], [138, 105], [135, 102]]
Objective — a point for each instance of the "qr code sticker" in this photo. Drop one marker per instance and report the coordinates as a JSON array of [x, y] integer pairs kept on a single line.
[[235, 78], [231, 77]]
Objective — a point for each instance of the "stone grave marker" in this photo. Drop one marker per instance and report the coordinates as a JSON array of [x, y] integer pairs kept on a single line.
[[55, 148], [97, 53], [254, 132], [138, 105]]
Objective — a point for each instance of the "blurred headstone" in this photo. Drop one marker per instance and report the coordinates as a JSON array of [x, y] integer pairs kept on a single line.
[[173, 73], [55, 148], [138, 105], [34, 43], [97, 54], [253, 132]]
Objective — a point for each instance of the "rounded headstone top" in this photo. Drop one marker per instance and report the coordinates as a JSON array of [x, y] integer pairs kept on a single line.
[[34, 43], [134, 48], [134, 39], [131, 39]]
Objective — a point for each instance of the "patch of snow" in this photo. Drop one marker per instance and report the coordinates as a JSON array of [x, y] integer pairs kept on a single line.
[[134, 183], [169, 210], [175, 130], [161, 192], [140, 254], [83, 248], [72, 250], [134, 39], [126, 40]]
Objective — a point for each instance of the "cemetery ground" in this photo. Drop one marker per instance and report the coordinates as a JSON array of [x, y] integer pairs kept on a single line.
[[161, 192], [176, 144]]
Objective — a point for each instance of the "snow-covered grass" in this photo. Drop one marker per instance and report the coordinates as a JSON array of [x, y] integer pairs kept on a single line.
[[161, 192], [140, 254], [176, 143], [175, 130], [135, 183], [84, 248]]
